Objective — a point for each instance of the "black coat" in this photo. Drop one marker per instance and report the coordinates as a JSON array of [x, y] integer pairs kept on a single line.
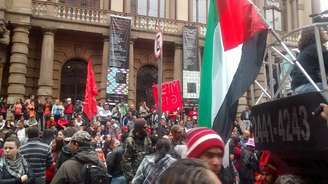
[[71, 170], [308, 58], [64, 155], [113, 161]]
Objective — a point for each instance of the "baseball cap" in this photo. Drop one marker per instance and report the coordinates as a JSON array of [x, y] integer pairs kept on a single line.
[[81, 137]]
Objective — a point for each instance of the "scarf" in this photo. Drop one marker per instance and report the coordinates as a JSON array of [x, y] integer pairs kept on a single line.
[[16, 168]]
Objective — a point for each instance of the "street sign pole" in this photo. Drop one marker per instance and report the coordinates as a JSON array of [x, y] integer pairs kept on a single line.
[[160, 79], [158, 51]]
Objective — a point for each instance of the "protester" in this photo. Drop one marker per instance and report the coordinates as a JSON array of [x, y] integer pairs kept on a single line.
[[113, 160], [137, 145], [68, 110], [18, 110], [39, 114], [189, 171], [2, 122], [71, 171], [249, 163], [37, 154], [177, 133], [57, 110], [207, 145], [308, 58], [21, 132], [13, 166], [152, 166], [66, 153], [144, 110]]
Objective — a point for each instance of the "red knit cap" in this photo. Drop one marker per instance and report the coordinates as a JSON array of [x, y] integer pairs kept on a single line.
[[201, 139]]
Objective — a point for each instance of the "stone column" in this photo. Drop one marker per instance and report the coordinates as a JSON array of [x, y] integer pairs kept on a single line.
[[106, 4], [104, 65], [315, 6], [18, 64], [127, 6], [177, 71], [46, 65], [173, 10], [132, 79]]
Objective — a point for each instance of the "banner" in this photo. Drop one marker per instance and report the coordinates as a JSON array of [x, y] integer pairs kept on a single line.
[[117, 81], [118, 67], [120, 28], [191, 73], [288, 129], [191, 84], [171, 96], [190, 49]]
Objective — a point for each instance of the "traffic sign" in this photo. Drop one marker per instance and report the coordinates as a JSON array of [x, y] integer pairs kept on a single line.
[[158, 44]]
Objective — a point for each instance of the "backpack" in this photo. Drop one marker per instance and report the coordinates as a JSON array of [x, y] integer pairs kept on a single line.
[[93, 174], [57, 112]]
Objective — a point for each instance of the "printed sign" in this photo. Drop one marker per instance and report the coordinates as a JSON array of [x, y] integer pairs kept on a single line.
[[171, 96], [287, 128], [289, 121], [117, 81], [191, 84]]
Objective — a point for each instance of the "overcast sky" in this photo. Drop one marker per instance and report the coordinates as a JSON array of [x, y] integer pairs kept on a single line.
[[324, 5]]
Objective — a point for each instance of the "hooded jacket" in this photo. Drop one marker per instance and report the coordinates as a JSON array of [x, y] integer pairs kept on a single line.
[[70, 171], [64, 155]]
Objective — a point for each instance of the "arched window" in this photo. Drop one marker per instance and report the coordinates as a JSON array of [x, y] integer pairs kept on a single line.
[[73, 78], [154, 8]]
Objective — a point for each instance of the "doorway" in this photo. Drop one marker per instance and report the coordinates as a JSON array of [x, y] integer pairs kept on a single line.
[[146, 78], [73, 77]]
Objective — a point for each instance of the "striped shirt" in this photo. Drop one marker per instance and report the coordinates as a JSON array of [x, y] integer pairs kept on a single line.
[[38, 155], [149, 171]]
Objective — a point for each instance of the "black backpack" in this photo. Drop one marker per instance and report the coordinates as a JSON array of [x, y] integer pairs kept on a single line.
[[93, 174]]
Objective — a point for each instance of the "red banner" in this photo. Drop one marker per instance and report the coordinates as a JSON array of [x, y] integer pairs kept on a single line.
[[171, 96]]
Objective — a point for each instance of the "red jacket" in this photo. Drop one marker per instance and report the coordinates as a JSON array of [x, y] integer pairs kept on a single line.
[[69, 109]]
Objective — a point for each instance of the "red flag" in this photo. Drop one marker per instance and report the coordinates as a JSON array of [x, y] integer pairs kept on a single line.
[[90, 103]]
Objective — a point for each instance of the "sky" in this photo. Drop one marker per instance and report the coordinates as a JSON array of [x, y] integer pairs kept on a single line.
[[324, 5]]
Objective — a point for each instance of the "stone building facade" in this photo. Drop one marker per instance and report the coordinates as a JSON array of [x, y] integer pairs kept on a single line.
[[45, 44]]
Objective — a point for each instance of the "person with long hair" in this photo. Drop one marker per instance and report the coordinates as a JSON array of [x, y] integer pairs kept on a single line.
[[14, 169], [155, 164], [308, 58]]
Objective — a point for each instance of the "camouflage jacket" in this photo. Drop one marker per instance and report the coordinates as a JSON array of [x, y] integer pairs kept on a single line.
[[134, 152]]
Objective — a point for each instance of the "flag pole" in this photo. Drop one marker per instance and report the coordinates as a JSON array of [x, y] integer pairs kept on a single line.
[[289, 52]]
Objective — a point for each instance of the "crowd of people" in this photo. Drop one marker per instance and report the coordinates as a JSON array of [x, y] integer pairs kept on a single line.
[[45, 142]]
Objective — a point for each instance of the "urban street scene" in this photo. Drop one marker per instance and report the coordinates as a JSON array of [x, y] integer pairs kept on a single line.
[[163, 91]]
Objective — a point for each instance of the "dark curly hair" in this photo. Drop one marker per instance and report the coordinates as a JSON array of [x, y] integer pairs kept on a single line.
[[308, 38], [188, 171]]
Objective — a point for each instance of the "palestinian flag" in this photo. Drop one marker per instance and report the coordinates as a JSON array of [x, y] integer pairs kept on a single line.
[[234, 48]]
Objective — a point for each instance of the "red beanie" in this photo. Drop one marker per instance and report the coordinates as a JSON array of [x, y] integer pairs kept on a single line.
[[201, 139]]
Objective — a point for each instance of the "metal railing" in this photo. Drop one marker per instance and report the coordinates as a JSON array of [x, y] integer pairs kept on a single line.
[[279, 79], [59, 11]]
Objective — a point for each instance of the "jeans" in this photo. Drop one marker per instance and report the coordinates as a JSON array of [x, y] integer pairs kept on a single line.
[[307, 88], [119, 180]]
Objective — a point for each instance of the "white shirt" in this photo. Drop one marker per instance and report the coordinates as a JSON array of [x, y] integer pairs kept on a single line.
[[21, 135]]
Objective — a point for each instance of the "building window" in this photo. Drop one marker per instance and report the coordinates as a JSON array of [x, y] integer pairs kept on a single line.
[[154, 8], [272, 13], [200, 10]]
